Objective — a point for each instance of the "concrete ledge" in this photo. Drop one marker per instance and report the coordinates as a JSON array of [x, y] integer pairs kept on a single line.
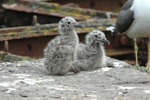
[[29, 80]]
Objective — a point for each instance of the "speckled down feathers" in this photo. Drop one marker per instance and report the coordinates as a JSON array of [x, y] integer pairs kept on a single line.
[[61, 51], [92, 55]]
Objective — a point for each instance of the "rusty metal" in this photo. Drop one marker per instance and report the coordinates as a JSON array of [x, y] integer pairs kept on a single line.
[[6, 46], [54, 9], [31, 40], [9, 57], [109, 5], [34, 20], [51, 29], [33, 44], [105, 5], [124, 40], [21, 14], [21, 42], [28, 1], [28, 37], [119, 51]]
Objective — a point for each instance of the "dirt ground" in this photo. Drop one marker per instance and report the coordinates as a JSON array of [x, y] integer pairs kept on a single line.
[[28, 80]]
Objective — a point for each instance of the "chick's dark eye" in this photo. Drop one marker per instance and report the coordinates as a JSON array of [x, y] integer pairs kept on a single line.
[[96, 36], [68, 22]]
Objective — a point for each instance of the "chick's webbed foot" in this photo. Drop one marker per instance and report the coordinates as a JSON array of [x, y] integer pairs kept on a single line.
[[75, 69]]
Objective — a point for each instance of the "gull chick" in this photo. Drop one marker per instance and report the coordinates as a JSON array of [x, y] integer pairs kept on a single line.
[[92, 55], [61, 52]]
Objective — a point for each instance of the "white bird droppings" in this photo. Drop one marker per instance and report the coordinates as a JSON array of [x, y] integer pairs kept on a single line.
[[147, 91], [9, 90], [106, 69], [128, 88]]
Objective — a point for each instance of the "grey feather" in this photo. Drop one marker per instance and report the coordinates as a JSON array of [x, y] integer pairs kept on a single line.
[[127, 5], [92, 55], [125, 18], [61, 51]]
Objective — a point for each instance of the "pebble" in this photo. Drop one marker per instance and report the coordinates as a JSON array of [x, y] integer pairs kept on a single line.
[[18, 65]]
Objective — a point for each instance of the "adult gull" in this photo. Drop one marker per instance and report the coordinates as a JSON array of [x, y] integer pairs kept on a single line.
[[134, 21]]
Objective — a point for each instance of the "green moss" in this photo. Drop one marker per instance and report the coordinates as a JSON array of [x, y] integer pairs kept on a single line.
[[11, 1], [68, 11], [27, 59], [48, 29], [148, 72], [141, 68]]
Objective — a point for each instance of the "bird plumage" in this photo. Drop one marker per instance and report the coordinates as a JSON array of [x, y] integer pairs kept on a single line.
[[125, 18], [141, 24], [134, 21], [61, 51], [91, 55]]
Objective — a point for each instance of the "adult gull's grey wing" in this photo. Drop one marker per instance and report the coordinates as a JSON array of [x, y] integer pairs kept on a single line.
[[125, 18]]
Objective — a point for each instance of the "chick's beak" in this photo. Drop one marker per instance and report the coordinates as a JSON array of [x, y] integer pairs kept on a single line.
[[79, 26], [106, 41]]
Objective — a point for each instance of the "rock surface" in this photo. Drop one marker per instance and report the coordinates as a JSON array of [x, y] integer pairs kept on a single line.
[[28, 80]]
